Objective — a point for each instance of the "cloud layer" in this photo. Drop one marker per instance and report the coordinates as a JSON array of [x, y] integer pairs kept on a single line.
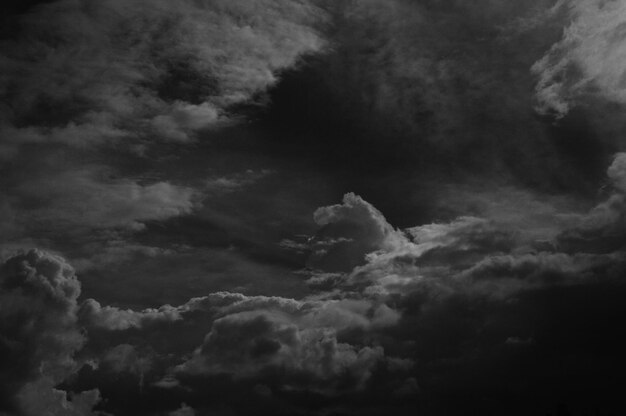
[[84, 73], [174, 152]]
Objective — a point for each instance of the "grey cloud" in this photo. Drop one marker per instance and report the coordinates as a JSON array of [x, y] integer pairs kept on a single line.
[[183, 411], [337, 314], [249, 344], [617, 172], [41, 398], [125, 357], [587, 61], [300, 342], [482, 256], [368, 321], [40, 333], [504, 276], [77, 199], [348, 232], [602, 228], [112, 318], [447, 84], [171, 68]]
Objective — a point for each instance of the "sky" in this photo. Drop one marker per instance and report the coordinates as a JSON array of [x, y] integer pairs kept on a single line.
[[312, 207]]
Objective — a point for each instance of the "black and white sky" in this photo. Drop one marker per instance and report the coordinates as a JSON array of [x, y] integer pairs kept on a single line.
[[312, 207]]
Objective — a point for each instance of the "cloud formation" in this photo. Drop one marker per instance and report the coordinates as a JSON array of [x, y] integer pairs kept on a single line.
[[587, 61], [85, 199], [40, 334], [509, 287], [83, 73]]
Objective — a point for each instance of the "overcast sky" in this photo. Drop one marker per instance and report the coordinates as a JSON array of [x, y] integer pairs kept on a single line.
[[312, 207]]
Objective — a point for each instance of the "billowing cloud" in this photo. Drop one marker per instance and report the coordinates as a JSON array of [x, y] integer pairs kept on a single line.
[[40, 334], [486, 281], [254, 344], [348, 232], [417, 302]]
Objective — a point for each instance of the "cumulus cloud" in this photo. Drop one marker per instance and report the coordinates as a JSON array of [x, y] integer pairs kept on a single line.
[[301, 344], [481, 256], [415, 301], [253, 344], [348, 232], [40, 334], [438, 312]]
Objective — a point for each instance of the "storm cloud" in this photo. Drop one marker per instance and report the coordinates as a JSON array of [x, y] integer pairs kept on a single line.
[[321, 207]]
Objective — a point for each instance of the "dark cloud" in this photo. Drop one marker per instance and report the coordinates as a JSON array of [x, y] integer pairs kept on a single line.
[[40, 334], [174, 152], [127, 70], [432, 86]]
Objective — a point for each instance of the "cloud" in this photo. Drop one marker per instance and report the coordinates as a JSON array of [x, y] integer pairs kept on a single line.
[[458, 294], [617, 172], [183, 411], [75, 199], [587, 61], [38, 293], [124, 357], [479, 256], [420, 83], [41, 398], [112, 318], [301, 344], [348, 232], [601, 230], [83, 73], [251, 344]]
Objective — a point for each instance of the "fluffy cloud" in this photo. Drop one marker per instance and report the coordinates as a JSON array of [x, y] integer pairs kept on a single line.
[[348, 232], [416, 303], [300, 343], [40, 334], [254, 344]]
